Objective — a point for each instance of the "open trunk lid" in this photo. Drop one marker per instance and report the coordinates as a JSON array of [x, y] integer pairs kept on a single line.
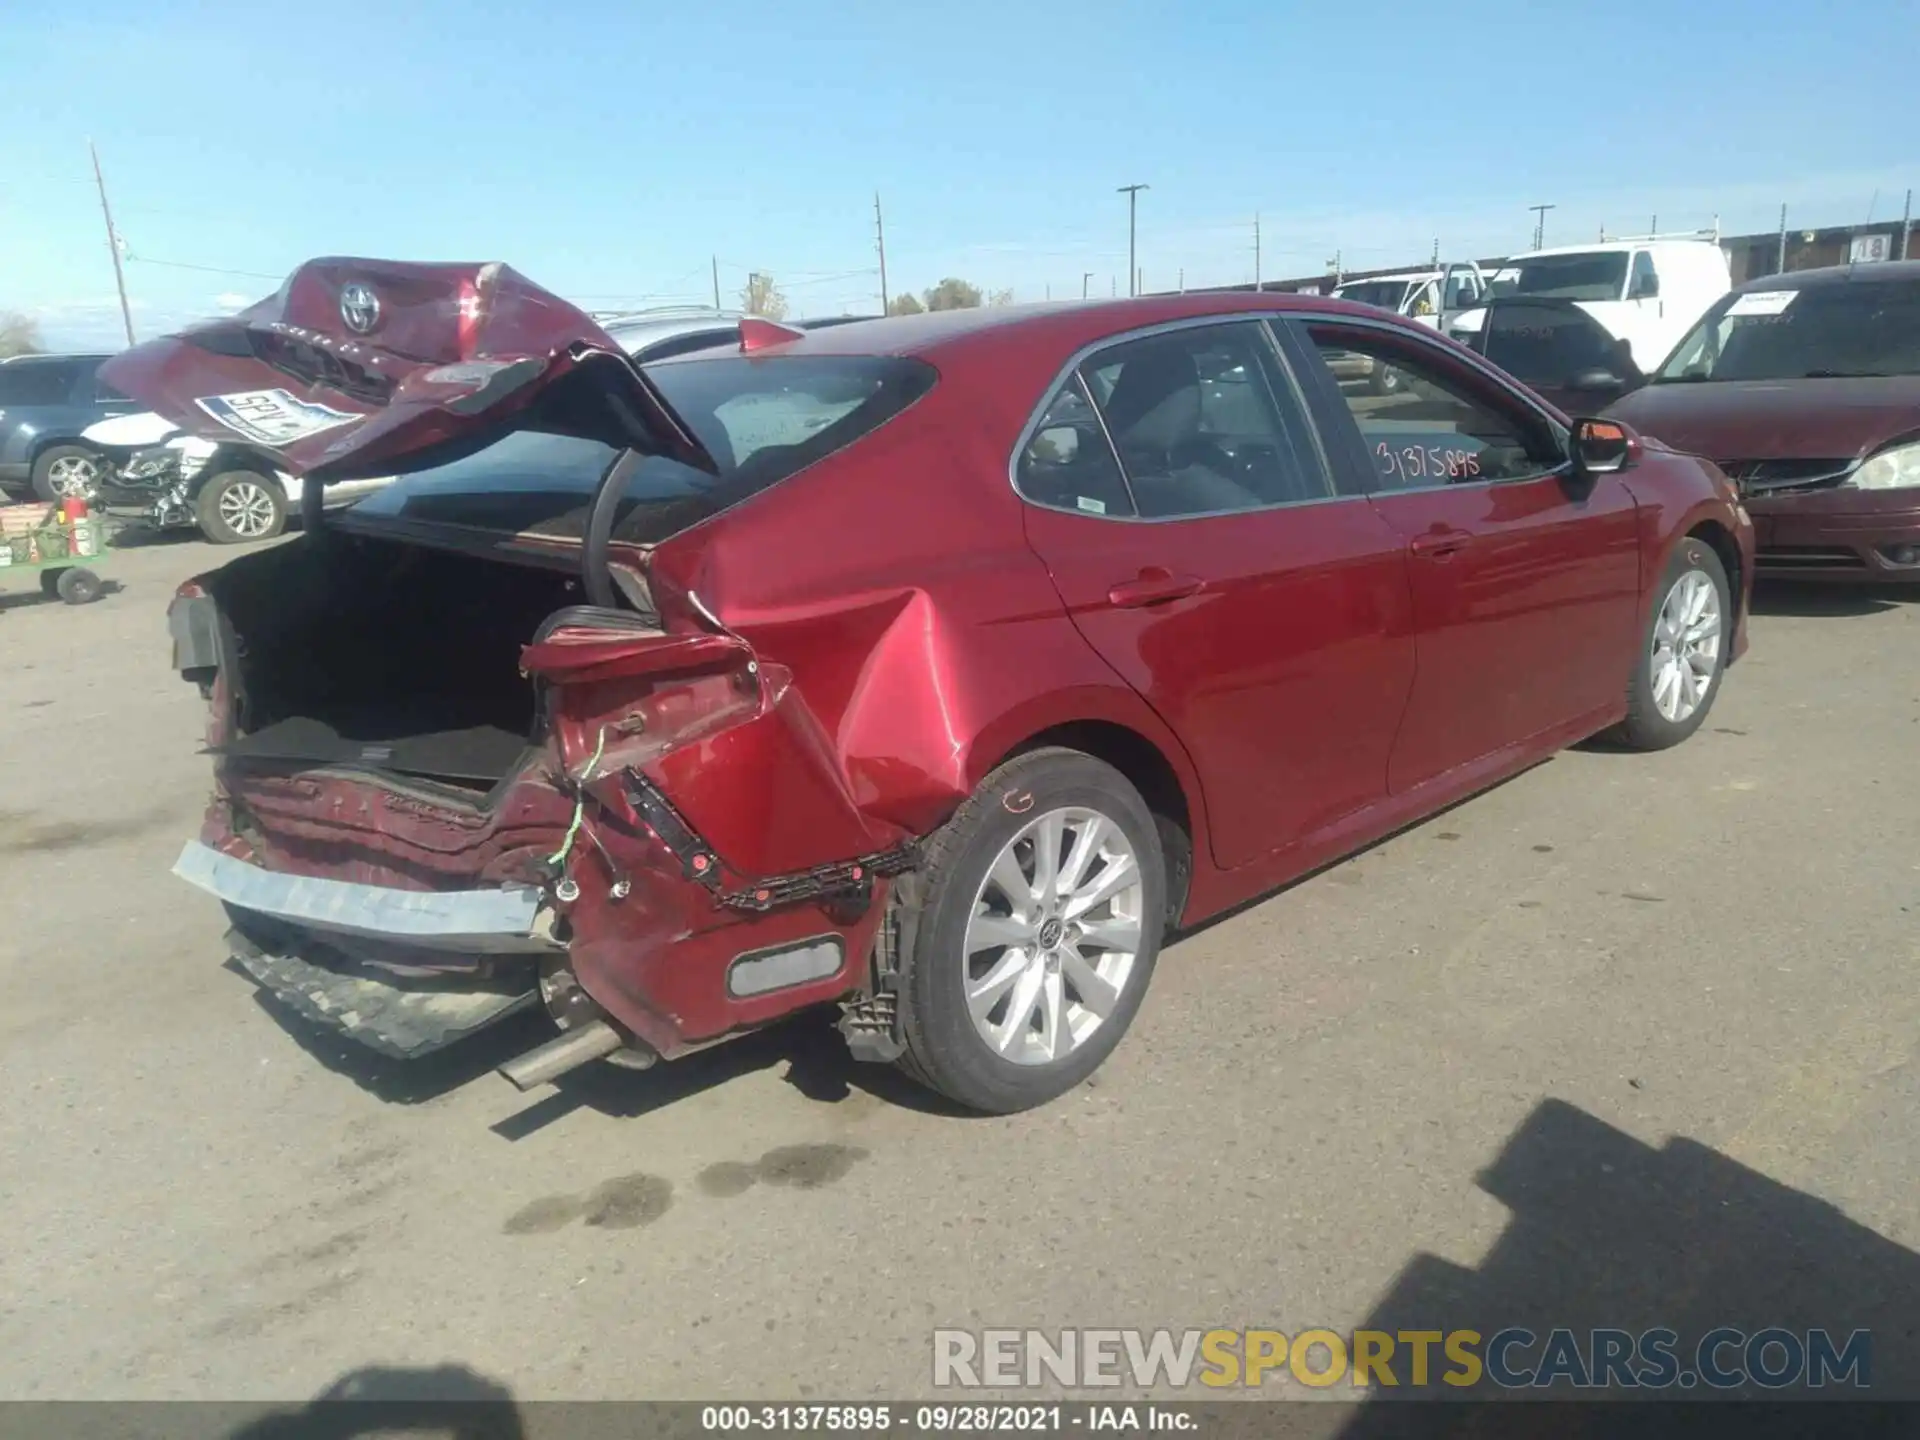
[[358, 368]]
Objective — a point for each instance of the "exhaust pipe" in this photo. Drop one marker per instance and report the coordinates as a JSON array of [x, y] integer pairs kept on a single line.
[[547, 1063]]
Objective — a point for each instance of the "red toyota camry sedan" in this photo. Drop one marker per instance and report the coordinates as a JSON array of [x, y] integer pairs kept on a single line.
[[933, 667]]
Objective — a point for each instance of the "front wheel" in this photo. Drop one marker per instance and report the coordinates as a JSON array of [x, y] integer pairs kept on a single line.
[[66, 472], [1030, 933], [1683, 654], [240, 505]]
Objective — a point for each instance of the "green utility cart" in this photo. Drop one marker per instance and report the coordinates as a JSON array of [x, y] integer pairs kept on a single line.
[[65, 551]]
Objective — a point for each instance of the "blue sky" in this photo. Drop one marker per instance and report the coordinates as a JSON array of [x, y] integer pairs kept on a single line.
[[608, 150]]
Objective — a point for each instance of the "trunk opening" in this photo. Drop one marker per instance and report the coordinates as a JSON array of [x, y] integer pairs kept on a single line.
[[355, 650]]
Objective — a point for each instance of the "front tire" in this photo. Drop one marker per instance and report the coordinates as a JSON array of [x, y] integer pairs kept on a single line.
[[1683, 653], [64, 472], [240, 506], [1029, 935]]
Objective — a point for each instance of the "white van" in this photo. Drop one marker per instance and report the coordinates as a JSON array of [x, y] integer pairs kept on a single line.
[[1647, 292]]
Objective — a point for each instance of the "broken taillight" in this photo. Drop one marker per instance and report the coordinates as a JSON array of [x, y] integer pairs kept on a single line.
[[630, 697]]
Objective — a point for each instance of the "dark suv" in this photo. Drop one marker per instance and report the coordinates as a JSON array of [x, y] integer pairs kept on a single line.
[[45, 402]]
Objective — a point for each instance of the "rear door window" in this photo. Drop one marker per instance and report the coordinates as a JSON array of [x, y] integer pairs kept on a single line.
[[36, 382], [1205, 422]]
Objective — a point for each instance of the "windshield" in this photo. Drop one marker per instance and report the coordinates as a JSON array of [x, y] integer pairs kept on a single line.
[[1387, 294], [1547, 343], [761, 419], [1853, 328], [1593, 275]]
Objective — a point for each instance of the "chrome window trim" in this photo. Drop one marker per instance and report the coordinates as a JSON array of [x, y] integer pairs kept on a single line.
[[1080, 357]]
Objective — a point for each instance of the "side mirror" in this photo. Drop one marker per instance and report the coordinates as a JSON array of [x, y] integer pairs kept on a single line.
[[1645, 287], [1600, 447], [1596, 379]]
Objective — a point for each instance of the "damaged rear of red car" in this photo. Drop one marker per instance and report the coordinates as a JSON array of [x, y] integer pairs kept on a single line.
[[934, 666], [476, 750]]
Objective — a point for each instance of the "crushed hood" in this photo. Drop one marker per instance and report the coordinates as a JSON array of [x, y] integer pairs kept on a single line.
[[367, 368]]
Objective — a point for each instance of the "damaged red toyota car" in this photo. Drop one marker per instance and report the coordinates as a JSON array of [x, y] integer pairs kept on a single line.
[[931, 667]]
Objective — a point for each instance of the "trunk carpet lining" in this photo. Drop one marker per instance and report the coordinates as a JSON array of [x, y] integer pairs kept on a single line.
[[483, 753]]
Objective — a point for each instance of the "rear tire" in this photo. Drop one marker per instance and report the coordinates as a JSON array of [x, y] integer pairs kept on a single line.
[[1683, 651], [62, 471], [1057, 956], [238, 507]]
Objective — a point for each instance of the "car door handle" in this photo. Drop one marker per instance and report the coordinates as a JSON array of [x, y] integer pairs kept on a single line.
[[1154, 586], [1439, 544]]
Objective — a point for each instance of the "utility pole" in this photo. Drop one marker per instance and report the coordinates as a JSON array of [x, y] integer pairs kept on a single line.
[[1113, 288], [1780, 260], [1435, 262], [880, 237], [1540, 224], [1654, 228], [716, 283], [1086, 279], [113, 245], [1183, 279], [1906, 224], [1256, 253], [1132, 192]]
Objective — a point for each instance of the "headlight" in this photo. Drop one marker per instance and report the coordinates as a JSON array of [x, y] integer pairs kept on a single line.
[[1894, 469]]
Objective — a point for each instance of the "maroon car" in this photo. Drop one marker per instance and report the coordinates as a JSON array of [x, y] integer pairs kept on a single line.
[[1805, 388], [933, 667]]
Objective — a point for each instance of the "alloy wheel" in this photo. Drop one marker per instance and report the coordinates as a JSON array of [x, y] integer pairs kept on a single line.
[[1053, 935], [1686, 646], [73, 476], [247, 509]]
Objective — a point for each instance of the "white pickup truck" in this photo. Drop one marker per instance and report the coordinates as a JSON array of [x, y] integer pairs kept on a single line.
[[1647, 292], [1431, 297]]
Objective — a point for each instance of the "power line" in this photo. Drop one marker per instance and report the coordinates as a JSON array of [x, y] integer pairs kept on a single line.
[[202, 269]]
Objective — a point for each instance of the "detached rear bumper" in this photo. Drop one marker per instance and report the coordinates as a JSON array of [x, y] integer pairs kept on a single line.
[[1838, 535], [462, 922]]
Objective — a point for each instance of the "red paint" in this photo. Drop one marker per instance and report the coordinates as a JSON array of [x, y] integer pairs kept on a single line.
[[895, 621]]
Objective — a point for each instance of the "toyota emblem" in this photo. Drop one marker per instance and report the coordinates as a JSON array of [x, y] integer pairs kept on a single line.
[[359, 308]]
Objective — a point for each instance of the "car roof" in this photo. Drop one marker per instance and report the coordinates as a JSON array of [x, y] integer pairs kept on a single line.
[[1879, 271], [1610, 247], [1054, 325], [1382, 279], [65, 359]]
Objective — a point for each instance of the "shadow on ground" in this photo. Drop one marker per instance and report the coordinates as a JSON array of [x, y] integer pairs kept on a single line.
[[1788, 597], [449, 1402], [817, 1062], [1608, 1233], [22, 599]]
